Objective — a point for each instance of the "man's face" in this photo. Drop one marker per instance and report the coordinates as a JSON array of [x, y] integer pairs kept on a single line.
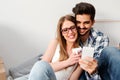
[[84, 24]]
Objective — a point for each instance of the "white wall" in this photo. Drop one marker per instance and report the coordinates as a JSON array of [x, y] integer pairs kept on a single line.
[[111, 29], [27, 26]]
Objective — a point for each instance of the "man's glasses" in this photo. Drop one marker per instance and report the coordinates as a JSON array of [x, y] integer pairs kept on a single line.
[[66, 30]]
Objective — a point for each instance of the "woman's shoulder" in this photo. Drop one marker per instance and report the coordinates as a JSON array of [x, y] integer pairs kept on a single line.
[[54, 41]]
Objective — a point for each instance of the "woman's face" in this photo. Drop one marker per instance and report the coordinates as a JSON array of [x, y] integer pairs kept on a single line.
[[69, 31]]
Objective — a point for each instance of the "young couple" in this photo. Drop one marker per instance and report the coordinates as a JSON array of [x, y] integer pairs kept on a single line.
[[60, 63]]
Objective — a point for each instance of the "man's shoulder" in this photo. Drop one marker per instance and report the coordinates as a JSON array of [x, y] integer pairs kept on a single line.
[[99, 36], [97, 32]]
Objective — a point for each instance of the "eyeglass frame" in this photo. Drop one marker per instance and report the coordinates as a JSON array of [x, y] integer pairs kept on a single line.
[[66, 30]]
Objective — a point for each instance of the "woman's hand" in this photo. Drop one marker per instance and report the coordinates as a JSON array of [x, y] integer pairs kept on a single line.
[[73, 58], [88, 64]]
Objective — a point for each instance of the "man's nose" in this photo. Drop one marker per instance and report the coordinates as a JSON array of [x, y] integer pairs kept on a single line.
[[81, 25]]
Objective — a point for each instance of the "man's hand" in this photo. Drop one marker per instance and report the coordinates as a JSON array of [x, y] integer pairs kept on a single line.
[[89, 64]]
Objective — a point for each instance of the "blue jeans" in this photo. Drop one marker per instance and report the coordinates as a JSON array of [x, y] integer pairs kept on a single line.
[[108, 64], [42, 71]]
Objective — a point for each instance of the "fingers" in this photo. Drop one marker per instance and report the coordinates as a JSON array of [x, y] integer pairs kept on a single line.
[[88, 61], [76, 57], [73, 58], [88, 64]]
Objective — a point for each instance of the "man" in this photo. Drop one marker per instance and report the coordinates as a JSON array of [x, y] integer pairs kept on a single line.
[[85, 13]]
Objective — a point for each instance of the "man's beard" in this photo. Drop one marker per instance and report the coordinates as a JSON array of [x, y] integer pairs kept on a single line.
[[85, 33]]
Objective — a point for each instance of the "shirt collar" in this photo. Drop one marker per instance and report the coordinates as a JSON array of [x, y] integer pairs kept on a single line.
[[92, 37]]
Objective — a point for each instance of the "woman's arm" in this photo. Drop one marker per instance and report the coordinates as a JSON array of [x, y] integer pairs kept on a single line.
[[49, 53], [73, 59], [48, 56], [76, 74]]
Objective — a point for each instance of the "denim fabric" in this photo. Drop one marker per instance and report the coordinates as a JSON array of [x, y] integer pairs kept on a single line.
[[109, 64], [25, 77], [42, 71], [83, 77]]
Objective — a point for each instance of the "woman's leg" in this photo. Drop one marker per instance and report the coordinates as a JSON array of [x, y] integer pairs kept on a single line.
[[109, 64], [42, 71], [25, 77]]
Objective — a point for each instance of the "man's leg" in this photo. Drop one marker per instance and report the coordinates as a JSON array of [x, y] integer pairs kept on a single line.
[[109, 64], [42, 71]]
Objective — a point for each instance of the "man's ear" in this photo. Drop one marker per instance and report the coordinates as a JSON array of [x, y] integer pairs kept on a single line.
[[93, 21]]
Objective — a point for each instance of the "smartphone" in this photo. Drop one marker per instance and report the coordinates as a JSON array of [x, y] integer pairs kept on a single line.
[[87, 51]]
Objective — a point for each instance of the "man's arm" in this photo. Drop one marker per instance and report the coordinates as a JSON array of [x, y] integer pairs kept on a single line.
[[100, 44], [90, 64]]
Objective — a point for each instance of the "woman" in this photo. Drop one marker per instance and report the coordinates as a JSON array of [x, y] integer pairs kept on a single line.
[[59, 62]]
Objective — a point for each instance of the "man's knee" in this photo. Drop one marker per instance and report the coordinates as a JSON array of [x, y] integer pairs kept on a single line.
[[109, 51], [108, 54], [111, 54]]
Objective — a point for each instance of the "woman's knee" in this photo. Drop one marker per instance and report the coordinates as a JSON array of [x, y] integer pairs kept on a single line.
[[41, 66]]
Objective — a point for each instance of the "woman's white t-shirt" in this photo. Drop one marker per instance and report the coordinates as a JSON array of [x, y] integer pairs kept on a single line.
[[63, 74]]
